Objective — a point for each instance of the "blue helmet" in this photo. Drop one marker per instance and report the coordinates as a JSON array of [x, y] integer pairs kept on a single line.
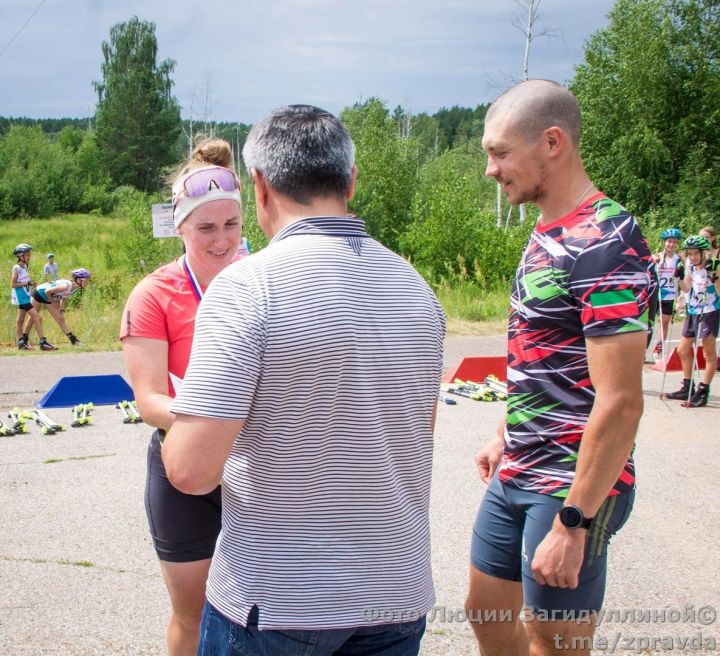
[[671, 233], [81, 273]]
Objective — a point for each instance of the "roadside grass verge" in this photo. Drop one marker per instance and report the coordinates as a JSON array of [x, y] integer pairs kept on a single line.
[[100, 244]]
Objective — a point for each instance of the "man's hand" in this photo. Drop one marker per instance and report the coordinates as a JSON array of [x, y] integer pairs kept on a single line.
[[489, 457], [559, 556]]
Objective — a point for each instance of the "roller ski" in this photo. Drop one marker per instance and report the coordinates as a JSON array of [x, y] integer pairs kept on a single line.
[[497, 386], [81, 415], [19, 418], [5, 430], [23, 344], [46, 346], [74, 340], [134, 409], [685, 393], [467, 390], [130, 412], [47, 425]]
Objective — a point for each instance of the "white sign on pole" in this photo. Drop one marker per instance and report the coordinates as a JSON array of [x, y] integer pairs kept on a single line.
[[162, 219]]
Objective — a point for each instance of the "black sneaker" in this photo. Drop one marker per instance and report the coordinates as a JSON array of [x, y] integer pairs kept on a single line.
[[684, 392], [700, 398], [23, 345], [74, 340], [46, 346]]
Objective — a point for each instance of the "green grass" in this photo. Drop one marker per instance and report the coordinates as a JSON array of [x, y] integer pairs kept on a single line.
[[93, 242], [100, 244], [471, 310], [52, 461]]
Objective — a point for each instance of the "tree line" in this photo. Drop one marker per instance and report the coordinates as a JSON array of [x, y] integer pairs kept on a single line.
[[649, 88]]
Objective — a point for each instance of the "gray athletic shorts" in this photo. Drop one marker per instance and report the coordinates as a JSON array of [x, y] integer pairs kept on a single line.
[[511, 523], [708, 324]]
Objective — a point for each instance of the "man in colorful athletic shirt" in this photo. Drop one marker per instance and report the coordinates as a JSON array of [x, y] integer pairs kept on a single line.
[[560, 474]]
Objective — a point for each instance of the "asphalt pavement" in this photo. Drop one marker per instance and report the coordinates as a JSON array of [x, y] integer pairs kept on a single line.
[[79, 575]]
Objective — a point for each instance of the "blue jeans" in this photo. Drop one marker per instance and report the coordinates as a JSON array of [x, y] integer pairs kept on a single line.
[[221, 637]]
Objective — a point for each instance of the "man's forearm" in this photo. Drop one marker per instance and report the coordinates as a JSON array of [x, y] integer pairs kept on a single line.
[[195, 450]]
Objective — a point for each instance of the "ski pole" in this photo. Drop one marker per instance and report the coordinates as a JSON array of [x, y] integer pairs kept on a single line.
[[665, 361], [662, 326], [695, 364]]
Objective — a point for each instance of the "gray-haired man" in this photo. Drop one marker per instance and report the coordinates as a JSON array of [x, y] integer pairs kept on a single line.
[[311, 393]]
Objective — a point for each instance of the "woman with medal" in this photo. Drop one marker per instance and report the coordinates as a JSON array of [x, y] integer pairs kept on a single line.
[[157, 331]]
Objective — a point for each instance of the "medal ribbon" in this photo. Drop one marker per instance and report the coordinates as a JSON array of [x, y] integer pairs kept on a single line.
[[194, 285]]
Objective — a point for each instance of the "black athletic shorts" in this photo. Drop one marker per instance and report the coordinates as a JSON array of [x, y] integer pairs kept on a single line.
[[25, 306], [184, 527], [40, 299], [667, 307], [707, 324]]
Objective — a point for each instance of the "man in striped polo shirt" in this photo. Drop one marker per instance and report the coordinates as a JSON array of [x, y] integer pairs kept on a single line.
[[560, 472], [311, 393]]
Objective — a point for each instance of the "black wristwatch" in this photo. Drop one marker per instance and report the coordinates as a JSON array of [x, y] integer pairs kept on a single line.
[[572, 517]]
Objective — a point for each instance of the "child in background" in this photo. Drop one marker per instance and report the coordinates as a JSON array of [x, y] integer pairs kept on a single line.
[[20, 284], [670, 268], [244, 248], [701, 324], [709, 232], [50, 271]]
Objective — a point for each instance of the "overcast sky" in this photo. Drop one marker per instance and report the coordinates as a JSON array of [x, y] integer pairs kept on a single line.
[[255, 56]]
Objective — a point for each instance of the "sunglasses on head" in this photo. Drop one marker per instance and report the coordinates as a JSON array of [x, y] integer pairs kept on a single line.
[[201, 181]]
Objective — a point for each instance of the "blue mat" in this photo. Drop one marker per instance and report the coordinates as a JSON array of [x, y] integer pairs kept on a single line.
[[99, 390]]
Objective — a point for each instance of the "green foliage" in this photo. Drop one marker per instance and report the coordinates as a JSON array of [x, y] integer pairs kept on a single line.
[[140, 252], [37, 176], [42, 175], [387, 171], [465, 302], [138, 119], [47, 125], [101, 244], [459, 124], [77, 240], [251, 229], [453, 232], [650, 93]]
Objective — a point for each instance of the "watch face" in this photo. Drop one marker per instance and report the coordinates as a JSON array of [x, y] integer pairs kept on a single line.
[[570, 516]]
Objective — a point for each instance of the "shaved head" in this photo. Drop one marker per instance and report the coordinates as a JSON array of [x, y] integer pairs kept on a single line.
[[533, 106]]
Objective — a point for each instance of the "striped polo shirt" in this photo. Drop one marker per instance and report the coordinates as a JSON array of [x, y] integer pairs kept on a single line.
[[329, 346]]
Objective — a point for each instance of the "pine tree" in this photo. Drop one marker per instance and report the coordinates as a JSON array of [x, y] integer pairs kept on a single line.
[[138, 119]]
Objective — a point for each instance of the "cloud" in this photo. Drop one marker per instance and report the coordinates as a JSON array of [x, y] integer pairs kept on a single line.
[[417, 53]]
